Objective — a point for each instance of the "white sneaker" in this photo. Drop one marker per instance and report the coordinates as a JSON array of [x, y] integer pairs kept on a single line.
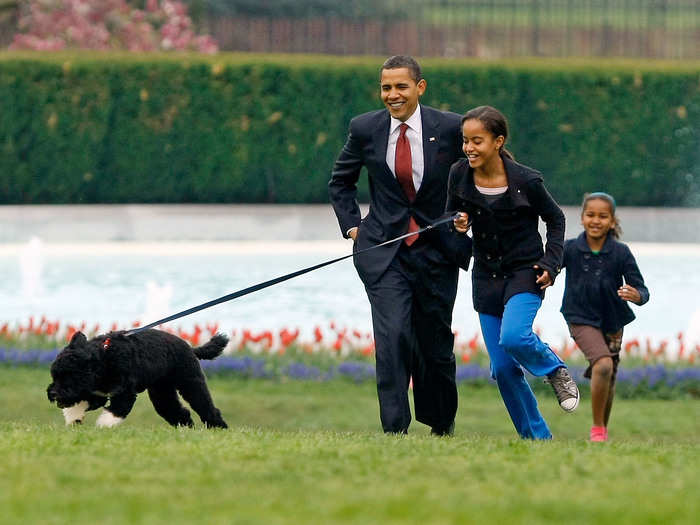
[[564, 388]]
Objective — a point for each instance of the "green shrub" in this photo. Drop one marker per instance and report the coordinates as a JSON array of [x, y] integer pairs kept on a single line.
[[257, 128]]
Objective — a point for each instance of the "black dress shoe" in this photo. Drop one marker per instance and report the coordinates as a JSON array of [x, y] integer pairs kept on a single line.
[[449, 431]]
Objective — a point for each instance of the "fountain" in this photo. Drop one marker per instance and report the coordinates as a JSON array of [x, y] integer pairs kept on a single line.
[[692, 333], [31, 264], [157, 301]]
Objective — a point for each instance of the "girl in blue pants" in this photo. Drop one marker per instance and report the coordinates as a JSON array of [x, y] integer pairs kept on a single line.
[[502, 202]]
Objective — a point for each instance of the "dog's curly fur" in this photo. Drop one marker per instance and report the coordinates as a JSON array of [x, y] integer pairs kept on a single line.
[[115, 367]]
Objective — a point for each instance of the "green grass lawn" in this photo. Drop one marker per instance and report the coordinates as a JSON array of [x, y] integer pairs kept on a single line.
[[304, 452]]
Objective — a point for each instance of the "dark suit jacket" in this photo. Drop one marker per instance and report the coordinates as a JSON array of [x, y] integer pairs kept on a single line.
[[389, 209]]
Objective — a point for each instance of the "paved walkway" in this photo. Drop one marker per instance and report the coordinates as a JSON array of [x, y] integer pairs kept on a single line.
[[148, 223]]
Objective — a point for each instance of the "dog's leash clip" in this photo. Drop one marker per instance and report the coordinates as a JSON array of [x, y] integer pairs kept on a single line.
[[106, 344]]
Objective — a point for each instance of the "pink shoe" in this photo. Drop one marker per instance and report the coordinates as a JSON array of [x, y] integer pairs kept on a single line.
[[599, 434]]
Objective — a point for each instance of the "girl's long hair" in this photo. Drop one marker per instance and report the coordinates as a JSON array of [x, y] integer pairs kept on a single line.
[[494, 121], [615, 231]]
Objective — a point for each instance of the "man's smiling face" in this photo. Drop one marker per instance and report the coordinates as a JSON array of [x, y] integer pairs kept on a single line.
[[400, 92]]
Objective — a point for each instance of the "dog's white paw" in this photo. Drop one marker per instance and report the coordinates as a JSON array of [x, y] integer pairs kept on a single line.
[[108, 420], [76, 413]]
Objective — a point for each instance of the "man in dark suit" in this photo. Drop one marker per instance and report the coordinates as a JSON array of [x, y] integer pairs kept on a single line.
[[411, 285]]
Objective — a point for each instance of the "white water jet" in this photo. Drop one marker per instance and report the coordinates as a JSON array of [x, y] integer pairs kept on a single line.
[[692, 333], [157, 301], [31, 264]]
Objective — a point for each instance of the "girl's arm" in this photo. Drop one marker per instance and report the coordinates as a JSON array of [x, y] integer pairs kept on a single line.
[[547, 208], [567, 253], [633, 277], [462, 224], [451, 204]]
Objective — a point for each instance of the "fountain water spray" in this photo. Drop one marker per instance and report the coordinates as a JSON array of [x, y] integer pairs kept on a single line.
[[31, 263]]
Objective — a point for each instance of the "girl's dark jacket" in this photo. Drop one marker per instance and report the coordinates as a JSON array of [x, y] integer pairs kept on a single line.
[[592, 281], [505, 238]]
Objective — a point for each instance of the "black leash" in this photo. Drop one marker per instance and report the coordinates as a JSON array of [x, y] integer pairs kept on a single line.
[[277, 280]]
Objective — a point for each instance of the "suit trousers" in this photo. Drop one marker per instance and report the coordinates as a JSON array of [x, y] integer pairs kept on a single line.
[[412, 306]]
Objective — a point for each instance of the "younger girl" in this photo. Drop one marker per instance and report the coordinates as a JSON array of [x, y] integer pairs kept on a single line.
[[595, 299], [503, 201]]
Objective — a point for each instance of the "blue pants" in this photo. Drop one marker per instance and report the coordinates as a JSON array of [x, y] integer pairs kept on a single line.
[[512, 346]]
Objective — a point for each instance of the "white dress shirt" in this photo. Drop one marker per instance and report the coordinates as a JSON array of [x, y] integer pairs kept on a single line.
[[414, 134]]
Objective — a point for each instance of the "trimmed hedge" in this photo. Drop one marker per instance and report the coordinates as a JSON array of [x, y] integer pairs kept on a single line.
[[87, 128], [305, 8]]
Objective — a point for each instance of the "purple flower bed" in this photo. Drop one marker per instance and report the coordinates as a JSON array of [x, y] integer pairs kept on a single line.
[[260, 368], [657, 381], [15, 356], [473, 373], [244, 366]]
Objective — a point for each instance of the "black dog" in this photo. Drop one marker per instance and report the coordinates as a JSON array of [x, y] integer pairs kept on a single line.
[[116, 367]]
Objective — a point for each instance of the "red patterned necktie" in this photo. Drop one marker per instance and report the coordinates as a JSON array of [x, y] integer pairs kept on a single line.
[[403, 168]]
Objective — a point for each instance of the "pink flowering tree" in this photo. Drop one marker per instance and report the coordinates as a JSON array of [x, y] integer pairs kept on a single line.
[[162, 25]]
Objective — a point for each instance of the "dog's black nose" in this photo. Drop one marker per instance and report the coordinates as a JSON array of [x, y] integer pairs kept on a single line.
[[51, 394]]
